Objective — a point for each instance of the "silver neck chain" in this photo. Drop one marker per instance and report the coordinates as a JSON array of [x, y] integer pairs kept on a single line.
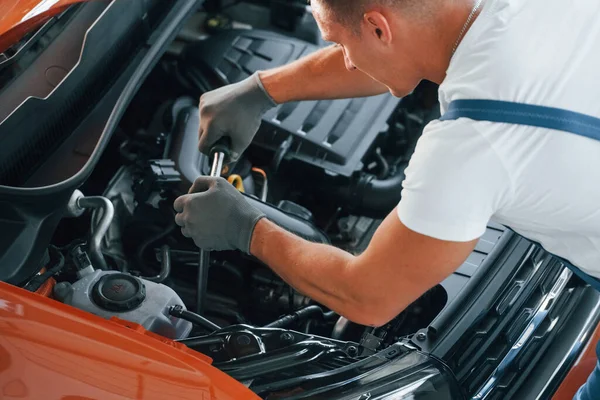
[[464, 29]]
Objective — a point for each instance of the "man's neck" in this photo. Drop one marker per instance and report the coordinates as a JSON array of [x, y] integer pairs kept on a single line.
[[447, 34]]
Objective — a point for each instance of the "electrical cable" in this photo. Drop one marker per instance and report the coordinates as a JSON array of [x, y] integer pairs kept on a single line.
[[179, 312], [297, 316], [153, 239], [36, 283], [385, 166]]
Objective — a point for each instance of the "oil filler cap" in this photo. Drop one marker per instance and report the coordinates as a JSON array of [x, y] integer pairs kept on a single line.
[[118, 292]]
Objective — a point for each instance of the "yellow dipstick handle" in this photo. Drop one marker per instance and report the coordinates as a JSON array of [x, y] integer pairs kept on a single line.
[[236, 181]]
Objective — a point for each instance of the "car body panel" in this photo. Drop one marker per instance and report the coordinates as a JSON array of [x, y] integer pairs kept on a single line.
[[18, 17], [51, 350], [581, 370]]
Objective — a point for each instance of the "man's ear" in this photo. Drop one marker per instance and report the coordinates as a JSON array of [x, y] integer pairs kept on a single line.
[[377, 25]]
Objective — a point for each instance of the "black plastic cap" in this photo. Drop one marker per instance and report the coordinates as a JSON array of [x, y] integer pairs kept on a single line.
[[223, 145], [119, 292]]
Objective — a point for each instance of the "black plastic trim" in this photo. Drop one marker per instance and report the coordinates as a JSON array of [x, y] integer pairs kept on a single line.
[[333, 135], [34, 38], [440, 333], [37, 210]]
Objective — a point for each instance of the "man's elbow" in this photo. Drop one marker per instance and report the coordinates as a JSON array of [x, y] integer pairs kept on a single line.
[[369, 305], [372, 312], [368, 319]]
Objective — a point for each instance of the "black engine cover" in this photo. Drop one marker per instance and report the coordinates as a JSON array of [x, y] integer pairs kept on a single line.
[[330, 134]]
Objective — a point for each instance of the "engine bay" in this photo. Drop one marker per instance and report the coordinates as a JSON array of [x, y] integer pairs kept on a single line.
[[138, 237], [328, 171], [121, 254]]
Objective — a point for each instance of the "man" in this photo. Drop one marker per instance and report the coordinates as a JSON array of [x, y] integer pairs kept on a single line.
[[540, 182]]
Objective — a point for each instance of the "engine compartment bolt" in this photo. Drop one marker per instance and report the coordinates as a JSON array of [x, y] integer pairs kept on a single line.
[[352, 351], [286, 337], [421, 336], [215, 348], [243, 340]]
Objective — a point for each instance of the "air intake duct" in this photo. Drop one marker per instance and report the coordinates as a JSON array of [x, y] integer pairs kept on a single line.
[[365, 194], [192, 164]]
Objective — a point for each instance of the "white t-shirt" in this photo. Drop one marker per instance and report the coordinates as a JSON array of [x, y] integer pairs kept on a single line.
[[543, 184]]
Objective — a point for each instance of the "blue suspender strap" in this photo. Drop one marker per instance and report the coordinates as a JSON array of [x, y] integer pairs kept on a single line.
[[524, 114], [531, 115]]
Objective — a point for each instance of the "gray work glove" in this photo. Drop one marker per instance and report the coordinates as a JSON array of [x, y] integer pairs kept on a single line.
[[234, 110], [216, 216]]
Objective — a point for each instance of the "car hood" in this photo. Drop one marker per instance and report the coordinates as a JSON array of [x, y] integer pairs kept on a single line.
[[18, 17], [51, 350]]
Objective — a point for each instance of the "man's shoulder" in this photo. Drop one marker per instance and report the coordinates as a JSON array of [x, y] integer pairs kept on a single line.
[[531, 51], [454, 182], [456, 147]]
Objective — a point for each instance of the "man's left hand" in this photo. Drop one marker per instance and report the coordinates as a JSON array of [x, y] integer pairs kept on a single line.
[[216, 215]]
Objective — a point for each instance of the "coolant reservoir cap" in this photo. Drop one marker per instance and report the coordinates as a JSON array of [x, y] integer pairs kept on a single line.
[[118, 292]]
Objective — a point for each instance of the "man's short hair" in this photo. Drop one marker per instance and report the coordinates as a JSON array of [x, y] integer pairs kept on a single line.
[[349, 12]]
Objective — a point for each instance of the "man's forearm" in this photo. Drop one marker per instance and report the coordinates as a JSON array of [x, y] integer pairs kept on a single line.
[[370, 289], [330, 276], [318, 271], [321, 75]]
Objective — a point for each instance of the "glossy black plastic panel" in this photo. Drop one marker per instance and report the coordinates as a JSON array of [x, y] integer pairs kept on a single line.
[[281, 364], [30, 214], [330, 134]]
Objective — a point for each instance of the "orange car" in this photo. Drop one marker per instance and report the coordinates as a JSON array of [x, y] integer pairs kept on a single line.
[[102, 298]]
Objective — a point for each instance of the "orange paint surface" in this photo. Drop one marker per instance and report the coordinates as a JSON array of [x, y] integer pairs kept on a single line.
[[48, 287], [580, 372], [49, 350], [17, 17]]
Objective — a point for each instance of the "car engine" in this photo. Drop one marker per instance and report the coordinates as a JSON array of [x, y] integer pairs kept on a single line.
[[329, 178], [137, 236], [134, 263]]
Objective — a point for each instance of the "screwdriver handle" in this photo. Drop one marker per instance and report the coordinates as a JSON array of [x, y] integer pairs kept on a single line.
[[222, 145]]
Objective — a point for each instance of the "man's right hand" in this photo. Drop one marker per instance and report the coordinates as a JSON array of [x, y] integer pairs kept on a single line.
[[233, 111]]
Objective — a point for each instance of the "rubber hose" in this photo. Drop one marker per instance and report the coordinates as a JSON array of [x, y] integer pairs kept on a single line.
[[291, 223], [296, 316], [329, 315], [368, 195], [383, 194], [38, 281], [179, 312], [385, 167], [340, 328], [160, 235]]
